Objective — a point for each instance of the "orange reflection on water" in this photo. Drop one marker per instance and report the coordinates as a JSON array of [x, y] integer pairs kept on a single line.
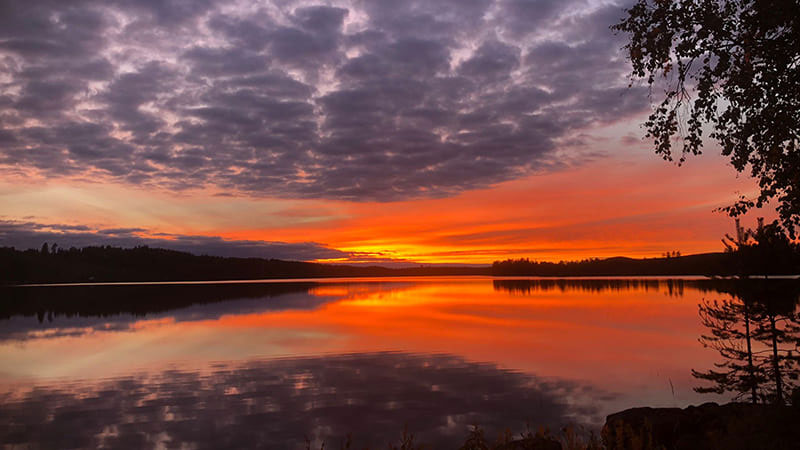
[[558, 332], [640, 339]]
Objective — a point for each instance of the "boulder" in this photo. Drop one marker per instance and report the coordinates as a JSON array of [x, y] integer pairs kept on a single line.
[[708, 426]]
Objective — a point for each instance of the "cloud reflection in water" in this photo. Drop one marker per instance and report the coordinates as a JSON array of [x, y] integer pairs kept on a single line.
[[276, 403]]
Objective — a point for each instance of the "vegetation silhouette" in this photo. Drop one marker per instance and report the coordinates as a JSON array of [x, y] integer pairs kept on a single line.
[[768, 250], [763, 251], [52, 264], [706, 264], [757, 331], [542, 439], [740, 60], [109, 264]]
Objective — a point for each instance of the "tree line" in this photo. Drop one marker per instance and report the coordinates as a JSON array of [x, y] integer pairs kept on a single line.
[[767, 250], [52, 264]]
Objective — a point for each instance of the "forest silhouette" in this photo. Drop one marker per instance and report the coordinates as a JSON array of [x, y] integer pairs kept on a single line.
[[109, 264], [114, 264]]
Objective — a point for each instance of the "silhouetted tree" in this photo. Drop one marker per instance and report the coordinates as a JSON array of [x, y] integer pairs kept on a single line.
[[762, 314], [45, 250], [764, 251], [757, 334], [730, 324], [741, 59], [778, 331]]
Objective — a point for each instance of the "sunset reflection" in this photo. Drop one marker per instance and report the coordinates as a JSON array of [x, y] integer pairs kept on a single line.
[[568, 331]]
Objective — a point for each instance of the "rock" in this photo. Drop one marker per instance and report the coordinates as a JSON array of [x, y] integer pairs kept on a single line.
[[708, 426]]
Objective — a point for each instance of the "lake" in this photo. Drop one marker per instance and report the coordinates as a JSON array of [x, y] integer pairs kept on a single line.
[[271, 364]]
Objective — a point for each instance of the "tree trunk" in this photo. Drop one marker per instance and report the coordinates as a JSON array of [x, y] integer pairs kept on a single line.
[[776, 367], [750, 368]]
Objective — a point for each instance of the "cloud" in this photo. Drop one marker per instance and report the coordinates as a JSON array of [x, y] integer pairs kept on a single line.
[[25, 235], [361, 101]]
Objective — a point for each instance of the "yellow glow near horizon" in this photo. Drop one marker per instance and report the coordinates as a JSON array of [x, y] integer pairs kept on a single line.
[[599, 210]]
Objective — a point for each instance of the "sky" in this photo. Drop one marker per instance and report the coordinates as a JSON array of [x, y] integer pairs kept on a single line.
[[375, 132]]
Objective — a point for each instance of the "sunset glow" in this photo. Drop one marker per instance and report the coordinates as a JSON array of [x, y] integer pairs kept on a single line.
[[332, 158], [601, 209]]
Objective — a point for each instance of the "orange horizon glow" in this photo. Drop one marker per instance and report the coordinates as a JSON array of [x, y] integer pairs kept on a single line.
[[630, 204], [546, 218]]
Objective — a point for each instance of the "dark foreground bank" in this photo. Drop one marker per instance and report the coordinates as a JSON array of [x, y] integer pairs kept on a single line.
[[732, 426], [709, 426]]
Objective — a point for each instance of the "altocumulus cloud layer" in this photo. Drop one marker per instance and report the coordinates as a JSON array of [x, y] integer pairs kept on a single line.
[[354, 100]]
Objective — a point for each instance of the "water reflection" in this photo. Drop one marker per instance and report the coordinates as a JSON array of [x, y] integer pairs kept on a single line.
[[669, 286], [571, 331], [61, 311], [49, 302], [119, 360], [276, 403], [757, 334], [596, 286]]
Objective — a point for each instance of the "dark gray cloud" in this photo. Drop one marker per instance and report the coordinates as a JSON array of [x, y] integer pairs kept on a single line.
[[25, 235], [359, 100]]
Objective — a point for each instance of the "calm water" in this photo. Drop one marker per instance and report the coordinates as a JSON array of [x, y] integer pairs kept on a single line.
[[269, 364]]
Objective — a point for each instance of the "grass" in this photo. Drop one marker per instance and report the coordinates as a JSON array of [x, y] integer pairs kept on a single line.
[[569, 438]]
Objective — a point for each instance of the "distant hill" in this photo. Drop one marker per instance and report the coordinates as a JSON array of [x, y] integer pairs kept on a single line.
[[109, 264]]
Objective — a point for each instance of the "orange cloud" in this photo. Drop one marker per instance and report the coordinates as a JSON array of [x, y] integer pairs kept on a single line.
[[628, 203], [642, 208]]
